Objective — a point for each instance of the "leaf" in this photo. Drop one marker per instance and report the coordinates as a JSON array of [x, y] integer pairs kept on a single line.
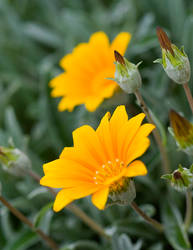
[[13, 128], [123, 242], [173, 227], [22, 242], [41, 214]]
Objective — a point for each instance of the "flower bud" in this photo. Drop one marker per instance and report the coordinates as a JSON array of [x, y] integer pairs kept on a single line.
[[175, 62], [181, 179], [123, 193], [182, 131], [14, 161], [127, 74]]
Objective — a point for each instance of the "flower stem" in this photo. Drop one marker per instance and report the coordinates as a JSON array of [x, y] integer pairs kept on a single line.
[[165, 163], [188, 95], [25, 220], [76, 210], [158, 226], [188, 216]]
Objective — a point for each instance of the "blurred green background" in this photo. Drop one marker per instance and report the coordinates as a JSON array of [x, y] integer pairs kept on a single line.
[[34, 36]]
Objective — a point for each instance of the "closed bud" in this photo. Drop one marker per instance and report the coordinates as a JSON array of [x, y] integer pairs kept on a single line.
[[181, 179], [14, 161], [127, 74], [123, 193], [175, 62], [182, 131]]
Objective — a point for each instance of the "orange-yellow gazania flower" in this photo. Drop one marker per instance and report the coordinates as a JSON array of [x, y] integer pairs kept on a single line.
[[86, 71], [100, 160]]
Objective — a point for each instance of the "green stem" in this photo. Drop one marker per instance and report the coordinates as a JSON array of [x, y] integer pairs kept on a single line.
[[76, 210], [158, 226], [156, 134], [25, 220], [188, 95], [188, 216]]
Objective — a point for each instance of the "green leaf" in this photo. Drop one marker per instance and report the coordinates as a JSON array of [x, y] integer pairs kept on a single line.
[[22, 241], [13, 128], [123, 242], [41, 214], [173, 227]]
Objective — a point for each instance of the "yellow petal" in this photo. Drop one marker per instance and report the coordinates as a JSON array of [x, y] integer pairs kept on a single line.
[[87, 140], [136, 168], [140, 142], [79, 156], [69, 103], [137, 149], [117, 121], [92, 103], [105, 137], [66, 196], [100, 197], [67, 168], [120, 42], [127, 134], [62, 182]]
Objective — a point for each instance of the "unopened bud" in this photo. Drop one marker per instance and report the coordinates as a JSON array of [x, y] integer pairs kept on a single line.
[[14, 161], [181, 179], [127, 74], [182, 131], [175, 62]]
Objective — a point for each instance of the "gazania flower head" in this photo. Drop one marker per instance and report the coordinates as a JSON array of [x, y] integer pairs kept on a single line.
[[86, 71], [182, 130], [101, 162]]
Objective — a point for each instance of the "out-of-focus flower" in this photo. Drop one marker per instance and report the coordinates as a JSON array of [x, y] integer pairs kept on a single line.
[[127, 74], [182, 130], [174, 61], [14, 161], [86, 71], [101, 162], [181, 179]]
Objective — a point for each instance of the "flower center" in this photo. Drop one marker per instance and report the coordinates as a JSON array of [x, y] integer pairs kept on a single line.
[[109, 172]]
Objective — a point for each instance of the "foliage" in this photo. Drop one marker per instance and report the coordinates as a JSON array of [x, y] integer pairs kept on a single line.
[[34, 37]]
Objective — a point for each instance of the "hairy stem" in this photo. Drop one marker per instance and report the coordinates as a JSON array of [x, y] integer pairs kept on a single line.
[[165, 162], [158, 226], [188, 95], [25, 220], [76, 210], [188, 216]]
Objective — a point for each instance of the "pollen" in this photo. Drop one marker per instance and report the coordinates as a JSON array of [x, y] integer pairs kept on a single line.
[[108, 171]]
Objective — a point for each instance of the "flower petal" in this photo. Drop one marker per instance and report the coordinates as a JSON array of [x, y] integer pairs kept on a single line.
[[100, 197], [85, 138], [105, 137], [140, 143], [136, 168], [66, 196], [66, 167], [117, 121], [120, 42], [127, 134]]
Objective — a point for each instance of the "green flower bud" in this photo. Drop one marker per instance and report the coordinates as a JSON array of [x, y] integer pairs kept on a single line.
[[14, 161], [175, 62], [182, 131], [127, 74], [181, 179], [123, 193]]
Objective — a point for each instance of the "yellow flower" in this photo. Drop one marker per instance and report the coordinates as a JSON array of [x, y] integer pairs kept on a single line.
[[86, 71], [100, 160]]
